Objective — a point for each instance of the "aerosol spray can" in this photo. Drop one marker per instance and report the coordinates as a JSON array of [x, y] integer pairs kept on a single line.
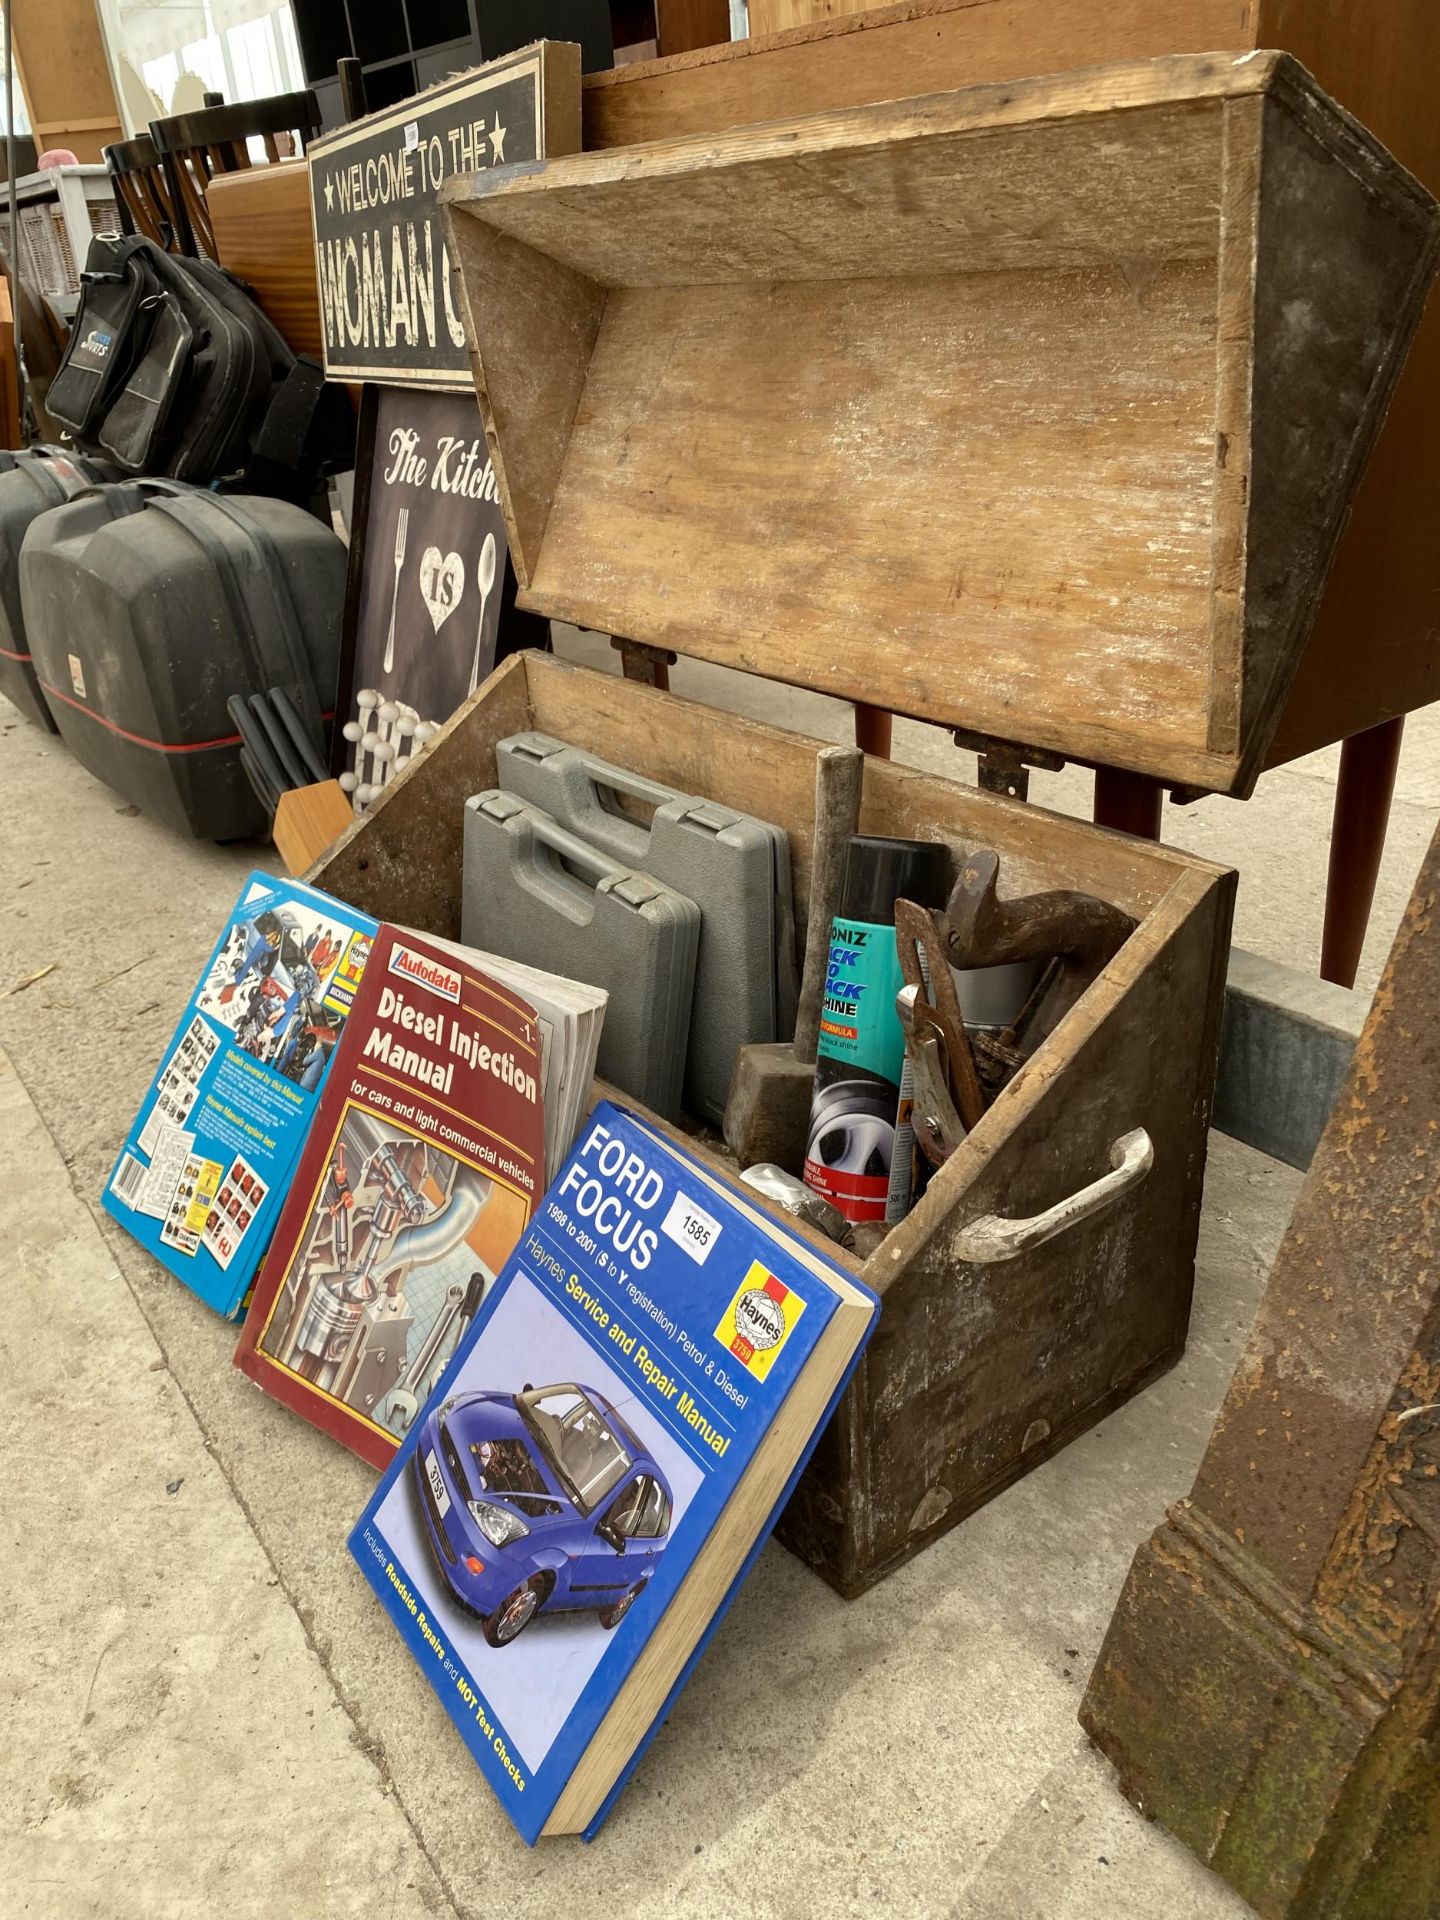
[[860, 1152]]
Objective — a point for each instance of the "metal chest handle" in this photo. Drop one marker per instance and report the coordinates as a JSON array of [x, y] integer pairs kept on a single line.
[[992, 1238]]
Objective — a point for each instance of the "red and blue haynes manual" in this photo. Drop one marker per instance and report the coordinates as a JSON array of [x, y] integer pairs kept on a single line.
[[602, 1460], [203, 1174]]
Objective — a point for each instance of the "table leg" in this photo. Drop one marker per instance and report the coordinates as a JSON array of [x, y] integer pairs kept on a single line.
[[873, 726], [1129, 802], [1357, 840]]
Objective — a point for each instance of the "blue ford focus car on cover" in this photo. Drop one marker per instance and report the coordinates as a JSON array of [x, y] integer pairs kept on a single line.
[[542, 1498]]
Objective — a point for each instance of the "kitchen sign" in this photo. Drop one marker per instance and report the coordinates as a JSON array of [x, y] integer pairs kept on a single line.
[[387, 303], [429, 601]]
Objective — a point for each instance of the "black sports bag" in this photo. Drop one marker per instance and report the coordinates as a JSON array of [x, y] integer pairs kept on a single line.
[[171, 365], [118, 293]]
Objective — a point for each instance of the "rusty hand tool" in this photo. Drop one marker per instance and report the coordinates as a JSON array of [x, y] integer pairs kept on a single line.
[[1078, 931], [935, 1117], [948, 1097]]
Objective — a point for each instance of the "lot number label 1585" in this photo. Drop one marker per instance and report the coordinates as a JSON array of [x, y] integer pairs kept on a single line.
[[691, 1228]]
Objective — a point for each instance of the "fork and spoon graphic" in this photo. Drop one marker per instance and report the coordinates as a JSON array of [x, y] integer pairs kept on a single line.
[[486, 579], [441, 592], [402, 527]]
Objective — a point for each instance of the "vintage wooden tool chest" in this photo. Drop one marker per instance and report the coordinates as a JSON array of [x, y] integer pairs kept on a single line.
[[1030, 411]]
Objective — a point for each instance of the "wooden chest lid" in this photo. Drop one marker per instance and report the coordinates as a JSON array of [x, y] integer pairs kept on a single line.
[[1032, 410]]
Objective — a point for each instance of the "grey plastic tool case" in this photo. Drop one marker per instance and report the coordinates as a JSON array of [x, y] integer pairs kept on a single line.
[[539, 894], [147, 603], [734, 867]]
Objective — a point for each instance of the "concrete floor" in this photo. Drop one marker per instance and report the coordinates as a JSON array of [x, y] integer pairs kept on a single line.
[[206, 1712]]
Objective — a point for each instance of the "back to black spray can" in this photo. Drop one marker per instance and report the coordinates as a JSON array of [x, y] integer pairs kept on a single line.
[[860, 1149]]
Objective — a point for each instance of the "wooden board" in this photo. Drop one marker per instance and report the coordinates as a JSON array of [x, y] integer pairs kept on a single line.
[[10, 435], [1055, 620], [682, 25], [778, 16], [261, 218], [921, 46], [64, 74], [1032, 410], [308, 822]]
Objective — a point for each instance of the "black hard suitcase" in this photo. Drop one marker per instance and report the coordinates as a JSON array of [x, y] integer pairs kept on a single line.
[[148, 603], [30, 484]]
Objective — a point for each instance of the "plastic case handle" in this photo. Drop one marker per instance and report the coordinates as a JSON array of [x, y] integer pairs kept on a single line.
[[567, 848], [566, 868], [992, 1238]]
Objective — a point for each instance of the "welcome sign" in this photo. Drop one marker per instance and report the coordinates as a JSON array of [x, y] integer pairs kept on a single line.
[[387, 305]]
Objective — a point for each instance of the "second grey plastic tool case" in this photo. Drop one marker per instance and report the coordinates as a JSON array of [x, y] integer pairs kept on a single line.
[[147, 604], [735, 868], [30, 484], [536, 893]]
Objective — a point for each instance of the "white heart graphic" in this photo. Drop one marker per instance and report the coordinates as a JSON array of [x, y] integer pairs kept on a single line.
[[442, 583]]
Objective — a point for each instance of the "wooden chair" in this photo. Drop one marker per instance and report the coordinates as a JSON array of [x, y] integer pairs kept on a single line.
[[194, 147], [45, 335], [10, 429], [142, 198]]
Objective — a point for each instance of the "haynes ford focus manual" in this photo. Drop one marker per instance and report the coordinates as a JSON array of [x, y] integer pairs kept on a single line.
[[607, 1451]]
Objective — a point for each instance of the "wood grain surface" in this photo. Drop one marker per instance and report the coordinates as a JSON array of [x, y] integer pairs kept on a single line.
[[308, 821], [261, 217], [893, 53], [958, 397], [778, 16], [1001, 554], [682, 25], [545, 331], [1375, 649], [10, 435], [64, 73]]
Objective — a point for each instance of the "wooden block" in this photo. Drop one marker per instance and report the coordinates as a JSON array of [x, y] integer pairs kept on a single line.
[[308, 822], [767, 1114], [1033, 410]]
